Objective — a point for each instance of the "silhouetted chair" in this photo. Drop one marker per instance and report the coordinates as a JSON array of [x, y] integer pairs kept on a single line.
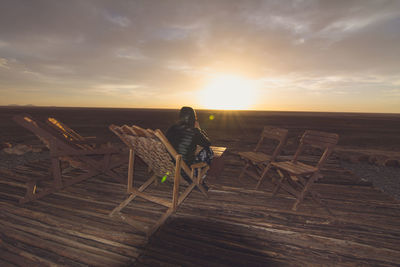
[[297, 178], [256, 162], [162, 159], [93, 161]]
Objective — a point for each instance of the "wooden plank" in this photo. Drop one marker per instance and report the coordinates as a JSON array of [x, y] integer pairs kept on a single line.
[[297, 168], [53, 226], [110, 229], [232, 222], [151, 198], [92, 207], [53, 234], [59, 248], [8, 258], [160, 222], [195, 232], [82, 227], [24, 258], [133, 196], [51, 190], [276, 205], [132, 222]]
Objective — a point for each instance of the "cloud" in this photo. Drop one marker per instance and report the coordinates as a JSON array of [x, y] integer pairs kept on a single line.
[[119, 20], [4, 63], [171, 47]]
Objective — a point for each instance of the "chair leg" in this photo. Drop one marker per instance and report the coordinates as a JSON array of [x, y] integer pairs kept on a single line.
[[305, 190], [244, 170], [263, 175], [122, 205], [132, 196], [163, 218], [200, 174], [279, 184], [56, 170], [30, 191], [138, 225], [175, 193], [197, 180]]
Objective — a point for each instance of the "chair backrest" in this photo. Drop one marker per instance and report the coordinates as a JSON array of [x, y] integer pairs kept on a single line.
[[69, 134], [29, 123], [275, 133], [45, 133], [151, 146], [326, 141], [64, 129]]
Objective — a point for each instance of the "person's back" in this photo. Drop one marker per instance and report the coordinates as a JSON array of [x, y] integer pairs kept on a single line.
[[185, 135]]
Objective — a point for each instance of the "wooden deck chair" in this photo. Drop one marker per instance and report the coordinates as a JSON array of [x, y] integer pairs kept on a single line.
[[156, 151], [92, 161], [297, 178], [256, 162]]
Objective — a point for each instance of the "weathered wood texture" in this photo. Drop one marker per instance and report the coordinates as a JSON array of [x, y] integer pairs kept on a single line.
[[235, 226], [62, 146]]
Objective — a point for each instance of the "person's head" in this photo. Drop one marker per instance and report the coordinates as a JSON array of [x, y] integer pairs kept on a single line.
[[187, 115]]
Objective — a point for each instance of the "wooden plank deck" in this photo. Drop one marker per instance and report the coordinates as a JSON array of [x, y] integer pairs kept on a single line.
[[236, 226]]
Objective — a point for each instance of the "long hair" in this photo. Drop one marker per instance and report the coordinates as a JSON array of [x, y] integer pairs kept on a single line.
[[187, 116]]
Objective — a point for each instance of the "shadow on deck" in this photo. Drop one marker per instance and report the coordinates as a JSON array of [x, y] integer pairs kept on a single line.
[[235, 226]]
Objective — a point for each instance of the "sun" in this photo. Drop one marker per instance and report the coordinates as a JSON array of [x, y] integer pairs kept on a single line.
[[228, 91]]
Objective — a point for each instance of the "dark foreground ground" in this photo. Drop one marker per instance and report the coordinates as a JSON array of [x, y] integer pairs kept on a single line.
[[368, 131], [236, 226]]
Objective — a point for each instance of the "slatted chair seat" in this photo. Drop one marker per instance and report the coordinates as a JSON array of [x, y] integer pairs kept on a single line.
[[256, 161], [297, 178], [297, 168], [156, 151]]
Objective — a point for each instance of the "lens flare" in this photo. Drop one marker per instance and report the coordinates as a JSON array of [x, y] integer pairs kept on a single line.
[[164, 178]]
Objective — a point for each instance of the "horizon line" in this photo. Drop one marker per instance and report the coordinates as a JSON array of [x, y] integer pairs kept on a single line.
[[202, 109]]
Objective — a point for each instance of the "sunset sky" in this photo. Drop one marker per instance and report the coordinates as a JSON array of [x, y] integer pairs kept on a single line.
[[298, 55]]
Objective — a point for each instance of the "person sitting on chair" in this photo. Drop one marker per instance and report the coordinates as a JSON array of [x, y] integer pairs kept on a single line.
[[186, 135]]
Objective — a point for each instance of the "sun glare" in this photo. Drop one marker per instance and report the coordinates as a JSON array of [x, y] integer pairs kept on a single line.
[[228, 92]]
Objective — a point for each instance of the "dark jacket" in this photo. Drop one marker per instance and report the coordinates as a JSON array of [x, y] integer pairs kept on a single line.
[[185, 139]]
